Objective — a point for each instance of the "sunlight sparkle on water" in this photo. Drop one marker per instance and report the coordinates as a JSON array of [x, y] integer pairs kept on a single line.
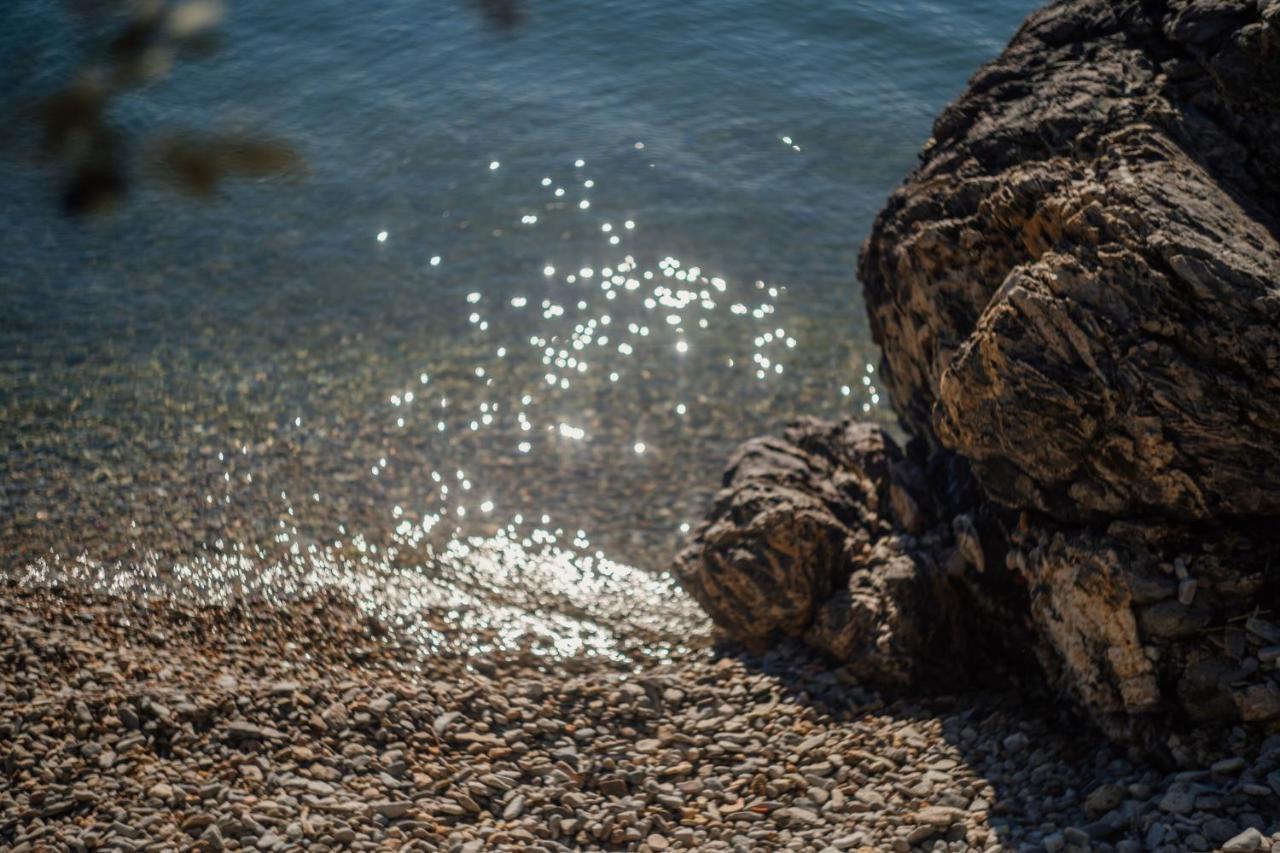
[[510, 415]]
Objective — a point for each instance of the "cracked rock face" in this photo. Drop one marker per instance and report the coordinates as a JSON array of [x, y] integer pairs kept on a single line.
[[833, 536], [1077, 297], [1149, 633], [1079, 287], [802, 542]]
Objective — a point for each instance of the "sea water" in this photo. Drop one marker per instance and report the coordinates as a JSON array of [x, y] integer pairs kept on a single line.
[[484, 357]]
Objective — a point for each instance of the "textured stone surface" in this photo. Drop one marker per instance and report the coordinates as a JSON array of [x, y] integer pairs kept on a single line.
[[1079, 287], [807, 541], [1077, 296], [801, 543], [1113, 635]]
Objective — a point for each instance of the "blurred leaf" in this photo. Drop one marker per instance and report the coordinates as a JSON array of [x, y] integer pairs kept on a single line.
[[73, 114], [94, 188], [138, 36], [150, 37], [198, 164], [503, 14], [189, 166], [97, 182], [257, 157], [194, 17]]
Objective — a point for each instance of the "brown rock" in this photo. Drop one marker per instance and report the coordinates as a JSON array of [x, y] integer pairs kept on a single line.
[[1077, 296], [795, 546], [1079, 287]]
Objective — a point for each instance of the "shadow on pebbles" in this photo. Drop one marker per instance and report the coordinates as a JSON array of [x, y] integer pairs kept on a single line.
[[129, 726]]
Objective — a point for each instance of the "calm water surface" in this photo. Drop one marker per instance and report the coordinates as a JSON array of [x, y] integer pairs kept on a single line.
[[482, 365]]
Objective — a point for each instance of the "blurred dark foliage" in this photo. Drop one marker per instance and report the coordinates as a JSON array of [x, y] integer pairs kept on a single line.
[[144, 40], [502, 14]]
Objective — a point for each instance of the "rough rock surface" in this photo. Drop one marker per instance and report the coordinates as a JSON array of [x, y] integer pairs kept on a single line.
[[1079, 287], [804, 541], [1077, 296]]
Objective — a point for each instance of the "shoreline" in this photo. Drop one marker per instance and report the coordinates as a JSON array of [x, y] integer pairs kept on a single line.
[[152, 726]]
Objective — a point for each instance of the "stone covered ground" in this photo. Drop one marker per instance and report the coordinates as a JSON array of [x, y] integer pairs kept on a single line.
[[131, 726]]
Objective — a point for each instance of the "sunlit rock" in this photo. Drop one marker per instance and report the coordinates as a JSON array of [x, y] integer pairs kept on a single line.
[[1077, 297], [1079, 287]]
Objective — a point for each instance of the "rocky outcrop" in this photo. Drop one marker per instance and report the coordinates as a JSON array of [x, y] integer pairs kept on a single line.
[[1079, 287], [1077, 297], [809, 538]]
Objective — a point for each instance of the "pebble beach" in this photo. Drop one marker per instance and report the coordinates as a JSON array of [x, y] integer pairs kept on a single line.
[[310, 726], [338, 513]]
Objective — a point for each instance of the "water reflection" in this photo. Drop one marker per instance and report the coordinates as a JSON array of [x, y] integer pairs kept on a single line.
[[595, 394], [523, 590]]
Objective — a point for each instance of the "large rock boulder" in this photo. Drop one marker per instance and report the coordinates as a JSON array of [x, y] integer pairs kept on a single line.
[[1078, 289], [809, 538], [1077, 297]]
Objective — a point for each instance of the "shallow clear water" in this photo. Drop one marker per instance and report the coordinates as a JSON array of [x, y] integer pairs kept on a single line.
[[534, 286]]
